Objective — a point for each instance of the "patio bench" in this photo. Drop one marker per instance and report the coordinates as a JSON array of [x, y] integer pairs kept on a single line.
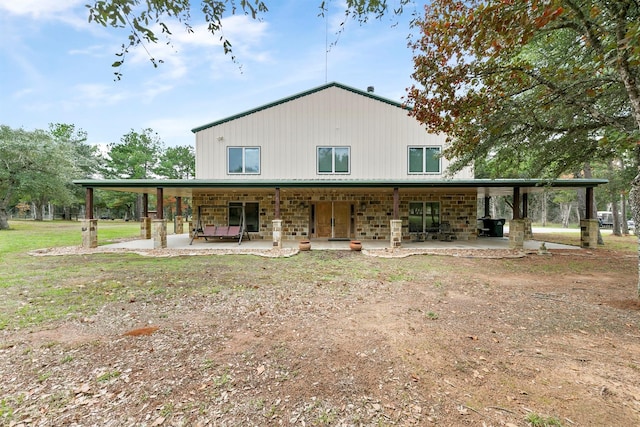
[[221, 232]]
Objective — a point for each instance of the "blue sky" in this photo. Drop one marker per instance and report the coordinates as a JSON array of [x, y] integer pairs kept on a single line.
[[55, 67]]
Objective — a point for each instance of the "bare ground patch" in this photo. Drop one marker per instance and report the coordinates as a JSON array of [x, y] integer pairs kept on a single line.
[[351, 340]]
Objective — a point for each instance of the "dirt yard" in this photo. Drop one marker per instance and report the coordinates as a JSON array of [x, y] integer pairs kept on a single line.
[[342, 339]]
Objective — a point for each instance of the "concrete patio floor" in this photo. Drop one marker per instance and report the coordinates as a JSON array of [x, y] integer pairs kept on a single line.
[[181, 242]]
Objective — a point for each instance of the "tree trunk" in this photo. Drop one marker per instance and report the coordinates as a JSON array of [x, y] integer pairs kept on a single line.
[[39, 209], [565, 213], [623, 202], [634, 201], [4, 218], [616, 218]]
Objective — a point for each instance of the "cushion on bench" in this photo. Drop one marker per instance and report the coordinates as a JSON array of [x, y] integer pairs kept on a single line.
[[234, 230], [209, 231]]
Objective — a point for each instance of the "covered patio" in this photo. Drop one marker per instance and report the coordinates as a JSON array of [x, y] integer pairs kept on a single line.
[[275, 234], [182, 242]]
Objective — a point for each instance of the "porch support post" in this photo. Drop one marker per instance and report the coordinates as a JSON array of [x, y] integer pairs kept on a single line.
[[159, 203], [396, 203], [89, 225], [487, 206], [159, 233], [159, 223], [517, 224], [179, 224], [589, 203], [145, 205], [516, 203], [589, 227], [145, 221], [528, 230], [396, 223], [589, 233], [396, 233], [276, 224], [88, 214]]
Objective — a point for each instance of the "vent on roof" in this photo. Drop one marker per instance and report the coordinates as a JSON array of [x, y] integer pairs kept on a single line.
[[370, 89]]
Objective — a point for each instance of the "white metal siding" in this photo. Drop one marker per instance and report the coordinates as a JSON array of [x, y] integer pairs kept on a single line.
[[288, 134]]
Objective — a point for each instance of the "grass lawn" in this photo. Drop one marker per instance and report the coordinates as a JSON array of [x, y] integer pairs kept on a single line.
[[319, 338], [40, 289], [628, 243]]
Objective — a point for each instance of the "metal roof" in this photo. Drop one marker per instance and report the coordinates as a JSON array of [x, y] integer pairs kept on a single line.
[[300, 95]]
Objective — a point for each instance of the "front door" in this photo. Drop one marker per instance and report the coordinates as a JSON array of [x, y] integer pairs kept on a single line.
[[333, 220]]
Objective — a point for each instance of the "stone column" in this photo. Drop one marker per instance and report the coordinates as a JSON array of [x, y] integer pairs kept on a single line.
[[179, 225], [90, 233], [159, 233], [528, 229], [145, 228], [276, 224], [516, 233], [396, 233], [589, 233]]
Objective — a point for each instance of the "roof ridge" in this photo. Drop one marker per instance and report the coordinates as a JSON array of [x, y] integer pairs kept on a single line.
[[297, 96]]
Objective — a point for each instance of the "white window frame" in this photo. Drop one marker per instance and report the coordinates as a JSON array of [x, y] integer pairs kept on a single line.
[[244, 163], [333, 160], [424, 148]]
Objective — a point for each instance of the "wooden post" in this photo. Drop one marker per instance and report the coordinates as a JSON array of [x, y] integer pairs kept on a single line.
[[516, 202], [525, 205], [90, 225], [277, 203], [145, 205], [396, 203], [89, 204], [487, 206], [178, 206], [159, 203], [589, 203]]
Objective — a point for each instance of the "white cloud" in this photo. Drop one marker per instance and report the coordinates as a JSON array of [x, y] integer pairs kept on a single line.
[[39, 8], [190, 50], [174, 130], [152, 90], [97, 51], [97, 95]]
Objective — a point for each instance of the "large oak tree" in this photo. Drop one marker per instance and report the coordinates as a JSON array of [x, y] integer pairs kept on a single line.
[[552, 82]]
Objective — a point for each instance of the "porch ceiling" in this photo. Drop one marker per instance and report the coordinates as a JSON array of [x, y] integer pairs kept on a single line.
[[483, 187]]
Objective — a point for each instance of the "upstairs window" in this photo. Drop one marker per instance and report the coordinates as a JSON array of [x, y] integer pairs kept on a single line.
[[424, 160], [243, 160], [334, 160]]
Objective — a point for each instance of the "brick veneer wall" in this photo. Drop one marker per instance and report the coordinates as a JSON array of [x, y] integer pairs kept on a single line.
[[373, 211]]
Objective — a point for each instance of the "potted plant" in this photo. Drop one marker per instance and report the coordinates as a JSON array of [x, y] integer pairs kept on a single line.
[[305, 245]]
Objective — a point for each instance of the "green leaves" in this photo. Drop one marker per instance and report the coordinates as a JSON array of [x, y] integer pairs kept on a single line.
[[38, 166], [532, 85], [140, 18]]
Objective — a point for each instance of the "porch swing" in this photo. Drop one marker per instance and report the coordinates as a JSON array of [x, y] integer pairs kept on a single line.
[[220, 232]]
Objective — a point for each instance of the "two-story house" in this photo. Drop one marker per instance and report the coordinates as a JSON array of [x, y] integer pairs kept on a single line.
[[333, 162], [336, 154]]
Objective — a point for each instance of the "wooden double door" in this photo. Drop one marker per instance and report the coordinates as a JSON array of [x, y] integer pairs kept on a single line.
[[333, 220]]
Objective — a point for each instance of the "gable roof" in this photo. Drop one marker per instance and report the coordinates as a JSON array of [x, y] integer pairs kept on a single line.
[[300, 95]]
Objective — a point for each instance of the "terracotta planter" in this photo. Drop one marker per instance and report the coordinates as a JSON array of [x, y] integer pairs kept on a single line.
[[355, 245], [304, 245]]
